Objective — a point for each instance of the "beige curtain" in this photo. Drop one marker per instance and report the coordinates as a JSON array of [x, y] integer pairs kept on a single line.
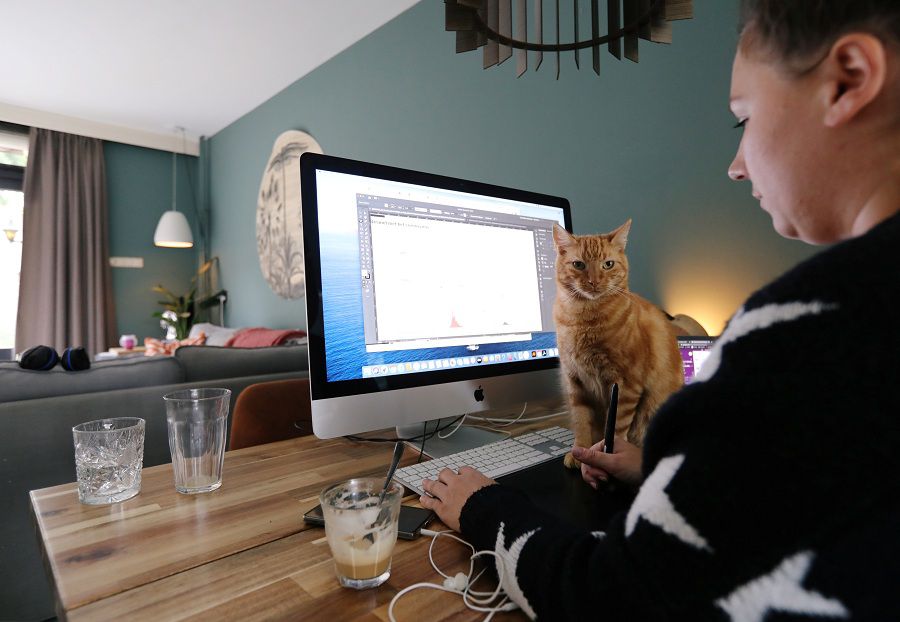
[[65, 291]]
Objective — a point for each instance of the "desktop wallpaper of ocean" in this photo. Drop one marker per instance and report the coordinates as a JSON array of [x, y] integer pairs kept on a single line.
[[345, 351]]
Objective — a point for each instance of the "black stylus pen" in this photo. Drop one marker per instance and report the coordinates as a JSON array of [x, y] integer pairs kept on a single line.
[[609, 439]]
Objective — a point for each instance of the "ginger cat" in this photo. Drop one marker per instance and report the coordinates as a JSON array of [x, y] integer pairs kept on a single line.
[[608, 334]]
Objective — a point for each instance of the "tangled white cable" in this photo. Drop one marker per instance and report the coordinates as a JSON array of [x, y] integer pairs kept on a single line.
[[461, 583]]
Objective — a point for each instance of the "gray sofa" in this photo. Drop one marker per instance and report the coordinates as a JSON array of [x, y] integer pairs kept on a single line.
[[38, 410]]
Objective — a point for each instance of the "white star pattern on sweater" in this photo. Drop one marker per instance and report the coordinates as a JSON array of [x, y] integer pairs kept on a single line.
[[780, 590], [745, 322], [510, 559], [654, 506]]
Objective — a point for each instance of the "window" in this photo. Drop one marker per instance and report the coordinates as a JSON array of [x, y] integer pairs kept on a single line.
[[13, 156]]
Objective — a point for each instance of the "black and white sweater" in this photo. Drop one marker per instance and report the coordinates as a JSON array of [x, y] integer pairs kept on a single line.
[[771, 486]]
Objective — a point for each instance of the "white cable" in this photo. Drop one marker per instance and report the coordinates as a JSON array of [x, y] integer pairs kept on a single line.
[[462, 420], [501, 422], [435, 535], [504, 422], [415, 586], [524, 408], [462, 583], [525, 420]]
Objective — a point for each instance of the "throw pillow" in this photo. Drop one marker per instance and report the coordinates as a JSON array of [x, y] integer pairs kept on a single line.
[[215, 335], [156, 347]]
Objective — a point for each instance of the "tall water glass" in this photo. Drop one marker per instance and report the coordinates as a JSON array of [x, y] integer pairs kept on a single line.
[[198, 422], [109, 455]]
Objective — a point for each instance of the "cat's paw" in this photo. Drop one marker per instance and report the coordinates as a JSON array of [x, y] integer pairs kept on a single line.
[[571, 461]]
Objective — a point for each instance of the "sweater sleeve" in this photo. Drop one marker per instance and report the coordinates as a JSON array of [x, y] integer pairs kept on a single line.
[[720, 527], [763, 482], [550, 569], [686, 541]]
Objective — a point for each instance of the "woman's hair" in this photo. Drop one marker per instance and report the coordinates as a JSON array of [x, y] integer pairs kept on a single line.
[[799, 29]]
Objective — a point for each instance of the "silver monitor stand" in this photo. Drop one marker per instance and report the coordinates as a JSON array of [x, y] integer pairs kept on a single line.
[[462, 439]]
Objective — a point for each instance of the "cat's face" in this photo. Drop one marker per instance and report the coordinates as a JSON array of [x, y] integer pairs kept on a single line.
[[591, 266]]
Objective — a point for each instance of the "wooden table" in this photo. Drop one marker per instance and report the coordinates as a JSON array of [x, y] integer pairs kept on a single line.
[[241, 552]]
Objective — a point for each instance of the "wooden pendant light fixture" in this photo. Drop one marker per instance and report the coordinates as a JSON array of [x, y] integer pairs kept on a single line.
[[501, 26]]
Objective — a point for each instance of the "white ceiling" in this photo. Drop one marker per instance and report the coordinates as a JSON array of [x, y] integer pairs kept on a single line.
[[155, 65]]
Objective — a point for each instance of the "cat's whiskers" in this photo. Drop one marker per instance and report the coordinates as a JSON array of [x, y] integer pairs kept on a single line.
[[574, 291], [615, 289]]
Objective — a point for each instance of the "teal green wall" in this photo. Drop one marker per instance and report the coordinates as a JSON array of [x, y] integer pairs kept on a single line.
[[650, 142], [139, 190]]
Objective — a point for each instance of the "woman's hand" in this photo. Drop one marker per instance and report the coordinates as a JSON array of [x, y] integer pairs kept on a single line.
[[623, 465], [450, 492]]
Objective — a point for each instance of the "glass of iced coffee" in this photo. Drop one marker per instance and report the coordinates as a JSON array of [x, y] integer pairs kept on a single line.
[[361, 527]]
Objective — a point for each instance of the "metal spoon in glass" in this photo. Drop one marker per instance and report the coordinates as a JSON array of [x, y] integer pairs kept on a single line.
[[385, 514]]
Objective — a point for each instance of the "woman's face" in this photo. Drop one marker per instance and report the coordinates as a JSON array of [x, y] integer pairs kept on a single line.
[[782, 152]]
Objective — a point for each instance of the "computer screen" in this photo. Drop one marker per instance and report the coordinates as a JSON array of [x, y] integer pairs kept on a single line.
[[694, 351], [427, 296]]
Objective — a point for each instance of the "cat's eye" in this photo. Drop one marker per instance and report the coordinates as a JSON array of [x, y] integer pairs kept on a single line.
[[609, 263], [579, 265]]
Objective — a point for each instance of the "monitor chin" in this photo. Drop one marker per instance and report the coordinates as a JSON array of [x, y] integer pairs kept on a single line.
[[408, 409]]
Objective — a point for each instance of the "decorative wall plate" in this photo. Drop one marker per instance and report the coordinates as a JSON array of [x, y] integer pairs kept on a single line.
[[279, 228]]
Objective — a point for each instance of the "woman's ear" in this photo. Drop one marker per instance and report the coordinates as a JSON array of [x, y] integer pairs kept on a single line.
[[856, 69]]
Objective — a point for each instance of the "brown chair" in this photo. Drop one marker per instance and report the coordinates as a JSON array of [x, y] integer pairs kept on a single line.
[[271, 411]]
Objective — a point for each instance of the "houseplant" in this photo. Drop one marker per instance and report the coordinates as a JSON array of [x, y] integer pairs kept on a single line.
[[179, 310]]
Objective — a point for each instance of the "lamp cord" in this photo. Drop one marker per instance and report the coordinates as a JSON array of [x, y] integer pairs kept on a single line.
[[174, 179], [201, 224]]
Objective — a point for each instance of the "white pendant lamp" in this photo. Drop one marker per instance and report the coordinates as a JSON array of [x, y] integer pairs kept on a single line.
[[173, 230]]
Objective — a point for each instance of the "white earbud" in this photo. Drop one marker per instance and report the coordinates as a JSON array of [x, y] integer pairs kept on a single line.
[[459, 582]]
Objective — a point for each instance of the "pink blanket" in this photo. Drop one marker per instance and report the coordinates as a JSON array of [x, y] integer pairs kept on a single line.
[[261, 337]]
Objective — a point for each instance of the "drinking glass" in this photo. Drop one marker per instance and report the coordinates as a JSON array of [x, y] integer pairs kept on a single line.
[[197, 421], [361, 528], [109, 456]]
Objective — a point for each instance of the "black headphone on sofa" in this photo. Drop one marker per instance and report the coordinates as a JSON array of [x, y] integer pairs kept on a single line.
[[43, 358]]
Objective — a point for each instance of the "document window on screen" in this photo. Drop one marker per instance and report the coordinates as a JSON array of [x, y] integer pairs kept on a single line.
[[436, 275]]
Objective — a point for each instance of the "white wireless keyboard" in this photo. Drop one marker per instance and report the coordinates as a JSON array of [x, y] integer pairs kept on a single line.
[[495, 459]]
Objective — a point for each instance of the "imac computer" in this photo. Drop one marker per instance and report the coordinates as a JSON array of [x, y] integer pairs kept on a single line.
[[427, 297]]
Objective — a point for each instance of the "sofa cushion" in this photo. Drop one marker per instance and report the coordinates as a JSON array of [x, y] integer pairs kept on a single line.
[[25, 384], [210, 362], [215, 335]]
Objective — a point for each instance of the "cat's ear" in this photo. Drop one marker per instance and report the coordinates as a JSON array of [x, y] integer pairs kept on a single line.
[[564, 240], [620, 235]]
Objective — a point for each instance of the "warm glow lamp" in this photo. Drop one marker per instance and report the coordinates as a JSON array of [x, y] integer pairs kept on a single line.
[[173, 230]]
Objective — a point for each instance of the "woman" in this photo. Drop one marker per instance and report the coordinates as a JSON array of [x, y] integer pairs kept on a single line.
[[769, 487]]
